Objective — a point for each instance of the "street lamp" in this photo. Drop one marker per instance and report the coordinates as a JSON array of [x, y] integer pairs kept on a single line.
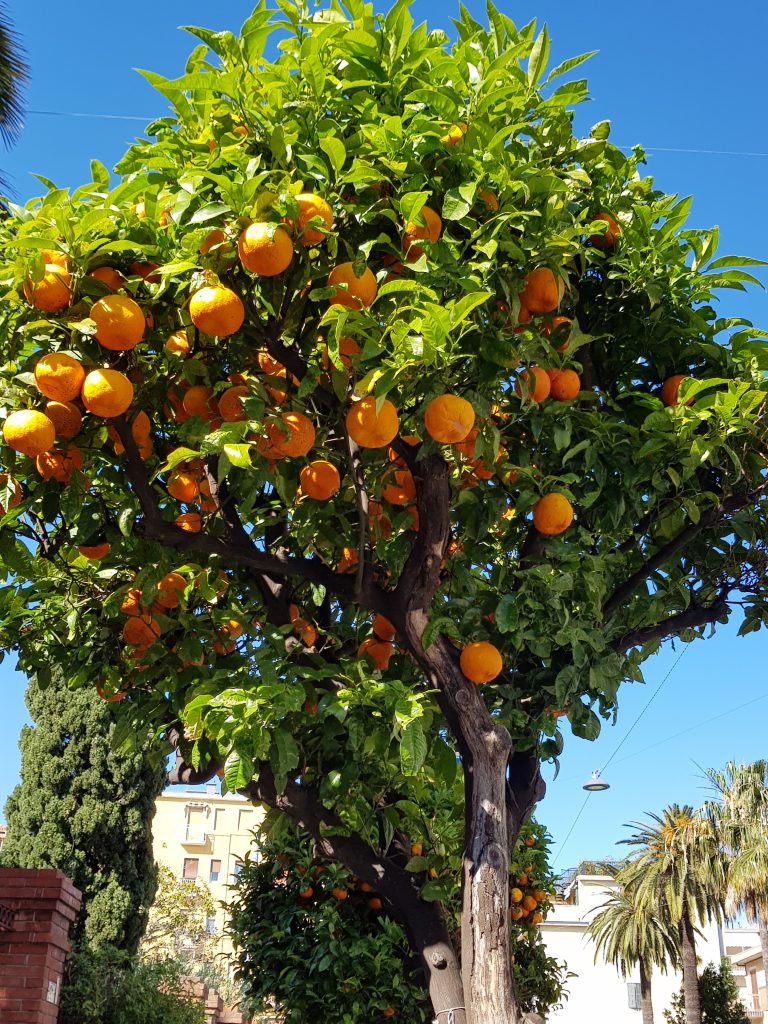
[[595, 784]]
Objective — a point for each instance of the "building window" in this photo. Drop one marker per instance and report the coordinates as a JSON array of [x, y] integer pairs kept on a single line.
[[210, 925], [244, 821], [190, 868], [238, 868], [633, 995], [215, 869]]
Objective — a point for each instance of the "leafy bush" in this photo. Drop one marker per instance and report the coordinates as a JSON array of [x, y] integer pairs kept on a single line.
[[719, 995], [109, 987]]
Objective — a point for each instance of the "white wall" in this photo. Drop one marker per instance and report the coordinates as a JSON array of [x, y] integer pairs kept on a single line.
[[598, 995]]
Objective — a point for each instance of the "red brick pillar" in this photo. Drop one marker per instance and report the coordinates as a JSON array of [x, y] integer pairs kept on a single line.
[[32, 950]]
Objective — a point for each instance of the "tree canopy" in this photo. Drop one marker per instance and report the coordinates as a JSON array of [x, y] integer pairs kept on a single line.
[[364, 330]]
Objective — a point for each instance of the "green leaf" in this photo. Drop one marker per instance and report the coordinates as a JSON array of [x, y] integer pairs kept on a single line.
[[179, 455], [209, 212], [413, 748], [283, 756], [238, 454], [539, 57], [237, 772], [411, 203], [125, 521], [335, 151]]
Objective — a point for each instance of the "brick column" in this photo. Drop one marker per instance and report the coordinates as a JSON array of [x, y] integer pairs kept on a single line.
[[32, 951]]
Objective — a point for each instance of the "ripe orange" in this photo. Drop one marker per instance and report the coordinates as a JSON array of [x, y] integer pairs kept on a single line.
[[119, 322], [311, 206], [369, 428], [183, 486], [306, 631], [107, 392], [291, 436], [231, 629], [265, 249], [6, 482], [145, 270], [533, 385], [417, 849], [365, 887], [307, 893], [374, 903], [339, 893], [429, 231], [178, 344], [94, 551], [65, 417], [551, 324], [542, 291], [669, 393], [198, 401], [379, 652], [609, 237], [552, 514], [59, 376], [216, 237], [349, 558], [537, 918], [29, 432], [382, 628], [108, 276], [515, 894], [449, 419], [359, 292], [140, 427], [529, 841], [59, 465], [140, 631], [51, 293], [481, 661], [565, 384], [55, 256], [230, 404], [320, 480], [389, 1012], [169, 590], [348, 347], [190, 522], [454, 134], [529, 903], [217, 311], [489, 199]]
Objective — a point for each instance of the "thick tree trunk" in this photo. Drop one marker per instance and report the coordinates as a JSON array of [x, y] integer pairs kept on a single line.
[[690, 970], [485, 938], [646, 1002], [762, 930]]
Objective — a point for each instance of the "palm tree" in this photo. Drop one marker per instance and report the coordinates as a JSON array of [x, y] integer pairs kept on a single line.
[[628, 934], [13, 78], [679, 871], [740, 813]]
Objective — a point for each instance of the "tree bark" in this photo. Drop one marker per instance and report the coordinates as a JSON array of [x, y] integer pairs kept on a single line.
[[762, 930], [646, 1002], [690, 970]]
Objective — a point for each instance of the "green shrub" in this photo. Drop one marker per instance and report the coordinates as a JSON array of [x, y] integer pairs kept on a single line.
[[719, 995], [109, 987]]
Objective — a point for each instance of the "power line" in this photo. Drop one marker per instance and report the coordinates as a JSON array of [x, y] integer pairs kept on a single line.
[[652, 698], [648, 149], [73, 113], [570, 830]]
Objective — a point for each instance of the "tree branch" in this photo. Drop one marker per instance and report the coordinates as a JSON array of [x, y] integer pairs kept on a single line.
[[711, 518], [183, 773], [674, 624], [364, 575], [420, 577]]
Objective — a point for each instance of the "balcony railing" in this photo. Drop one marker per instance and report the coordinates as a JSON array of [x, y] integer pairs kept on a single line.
[[195, 836], [753, 1014]]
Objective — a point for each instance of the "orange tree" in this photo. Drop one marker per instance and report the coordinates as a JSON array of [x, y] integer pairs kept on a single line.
[[364, 330]]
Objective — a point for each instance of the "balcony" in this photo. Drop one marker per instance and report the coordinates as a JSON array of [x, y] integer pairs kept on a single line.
[[194, 835], [753, 1014]]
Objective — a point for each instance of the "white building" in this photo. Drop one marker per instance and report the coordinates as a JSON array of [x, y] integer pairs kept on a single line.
[[598, 994]]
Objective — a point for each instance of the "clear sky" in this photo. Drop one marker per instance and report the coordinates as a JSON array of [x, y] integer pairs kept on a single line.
[[687, 80]]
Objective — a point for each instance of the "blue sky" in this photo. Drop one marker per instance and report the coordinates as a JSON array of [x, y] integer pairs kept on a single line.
[[684, 79]]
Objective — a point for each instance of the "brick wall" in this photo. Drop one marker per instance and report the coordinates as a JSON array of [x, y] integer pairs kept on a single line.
[[32, 949]]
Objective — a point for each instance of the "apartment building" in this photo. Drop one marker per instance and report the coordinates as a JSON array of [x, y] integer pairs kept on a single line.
[[598, 992], [204, 836]]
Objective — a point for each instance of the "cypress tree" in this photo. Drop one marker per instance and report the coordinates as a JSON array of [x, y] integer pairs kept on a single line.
[[86, 809]]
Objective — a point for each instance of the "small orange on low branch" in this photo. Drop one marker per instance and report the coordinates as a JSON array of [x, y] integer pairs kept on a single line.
[[107, 392], [66, 418], [59, 376], [377, 651], [533, 384], [51, 293], [320, 480], [291, 436], [311, 205], [231, 404], [564, 384], [169, 590], [449, 419], [552, 514], [108, 276], [670, 390], [369, 427], [359, 292], [265, 249], [542, 291], [481, 661], [120, 322], [29, 432], [608, 238], [217, 311], [94, 551], [190, 522]]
